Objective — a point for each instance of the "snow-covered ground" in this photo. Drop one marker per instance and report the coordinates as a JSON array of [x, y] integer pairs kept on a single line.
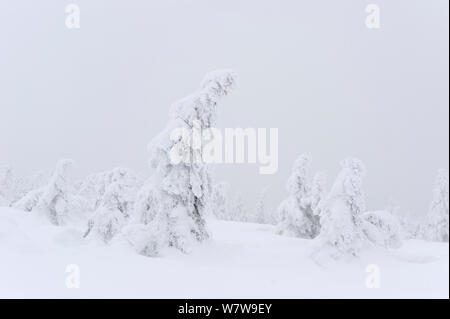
[[241, 261]]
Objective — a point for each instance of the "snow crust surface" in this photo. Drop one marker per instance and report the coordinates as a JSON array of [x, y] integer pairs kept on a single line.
[[242, 260]]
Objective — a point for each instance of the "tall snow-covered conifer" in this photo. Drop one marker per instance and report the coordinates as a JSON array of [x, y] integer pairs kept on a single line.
[[183, 189], [341, 220], [296, 217], [436, 226], [6, 186]]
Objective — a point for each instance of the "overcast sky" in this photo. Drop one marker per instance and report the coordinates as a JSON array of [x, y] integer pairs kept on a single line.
[[312, 69]]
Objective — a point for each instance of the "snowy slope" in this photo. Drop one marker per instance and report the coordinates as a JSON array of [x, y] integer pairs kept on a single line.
[[242, 261]]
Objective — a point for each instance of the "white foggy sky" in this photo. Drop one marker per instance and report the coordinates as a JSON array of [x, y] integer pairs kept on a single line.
[[310, 68]]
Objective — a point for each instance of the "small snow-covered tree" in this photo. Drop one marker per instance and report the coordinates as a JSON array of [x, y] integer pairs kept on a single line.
[[106, 223], [27, 189], [318, 192], [229, 207], [296, 212], [184, 187], [3, 201], [30, 189], [122, 186], [436, 226], [298, 187], [382, 228], [147, 205], [238, 210], [219, 200], [262, 215], [6, 186], [118, 189], [94, 187], [341, 220], [409, 225], [54, 198]]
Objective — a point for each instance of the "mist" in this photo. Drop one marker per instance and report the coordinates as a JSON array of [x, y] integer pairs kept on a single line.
[[333, 87]]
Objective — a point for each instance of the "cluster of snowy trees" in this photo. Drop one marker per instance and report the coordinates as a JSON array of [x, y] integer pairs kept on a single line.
[[54, 196], [169, 209], [13, 188], [232, 207], [338, 220]]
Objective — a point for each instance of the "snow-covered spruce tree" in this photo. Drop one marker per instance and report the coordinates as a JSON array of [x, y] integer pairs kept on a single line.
[[296, 216], [30, 201], [56, 199], [148, 204], [382, 228], [219, 200], [6, 186], [262, 215], [238, 211], [27, 190], [410, 226], [3, 202], [92, 188], [436, 226], [118, 190], [183, 188], [341, 221], [318, 193]]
